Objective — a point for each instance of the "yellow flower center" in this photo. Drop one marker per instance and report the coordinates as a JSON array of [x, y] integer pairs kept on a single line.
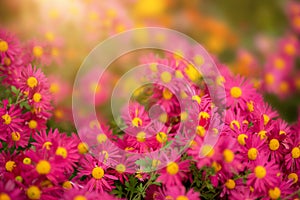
[[236, 92], [274, 144], [200, 131], [274, 193], [269, 78], [37, 51], [220, 80], [260, 172], [228, 155], [172, 168], [204, 115], [216, 166], [7, 119], [101, 138], [47, 145], [241, 139], [33, 192], [136, 122], [67, 185], [279, 63], [6, 61], [10, 165], [3, 46], [230, 184], [207, 150], [32, 124], [82, 148], [183, 116], [182, 197], [234, 123], [4, 196], [141, 136], [27, 161], [80, 197], [166, 77], [54, 88], [197, 98], [32, 82], [295, 152], [106, 155], [163, 117], [15, 136], [192, 73], [98, 173], [167, 94], [61, 151], [262, 134], [37, 97], [43, 167], [252, 153], [19, 179], [289, 49], [294, 177], [120, 168], [250, 106], [161, 137], [153, 67], [266, 119]]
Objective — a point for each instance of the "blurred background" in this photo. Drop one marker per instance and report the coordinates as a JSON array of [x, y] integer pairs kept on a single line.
[[258, 39]]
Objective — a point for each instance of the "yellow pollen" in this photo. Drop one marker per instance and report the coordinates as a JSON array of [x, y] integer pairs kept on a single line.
[[220, 80], [236, 92], [6, 61], [289, 49], [241, 139], [274, 193], [260, 171], [37, 51], [106, 155], [182, 197], [279, 63], [33, 192], [216, 166], [7, 119], [270, 79], [141, 136], [183, 116], [167, 94], [204, 115], [61, 151], [161, 137], [266, 119], [67, 185], [101, 138], [250, 106], [27, 161], [15, 136], [274, 144], [32, 82], [294, 177], [200, 131], [54, 88], [80, 197], [153, 67], [47, 145], [192, 73], [43, 167], [163, 117], [19, 179], [252, 153], [295, 152], [3, 46], [228, 155], [166, 77], [207, 150], [37, 97], [4, 196], [197, 98], [282, 132], [10, 165], [172, 168], [82, 148], [234, 123], [230, 184], [262, 134], [155, 163], [98, 173], [120, 168], [32, 124], [284, 87], [136, 122]]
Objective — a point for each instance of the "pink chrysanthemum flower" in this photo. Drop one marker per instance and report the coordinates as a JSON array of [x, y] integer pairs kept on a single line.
[[239, 91], [135, 115], [11, 118], [177, 192], [244, 192], [97, 177], [81, 194], [264, 175], [292, 158], [9, 47], [9, 190]]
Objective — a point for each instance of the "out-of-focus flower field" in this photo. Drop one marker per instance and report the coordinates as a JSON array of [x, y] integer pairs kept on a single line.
[[256, 49]]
